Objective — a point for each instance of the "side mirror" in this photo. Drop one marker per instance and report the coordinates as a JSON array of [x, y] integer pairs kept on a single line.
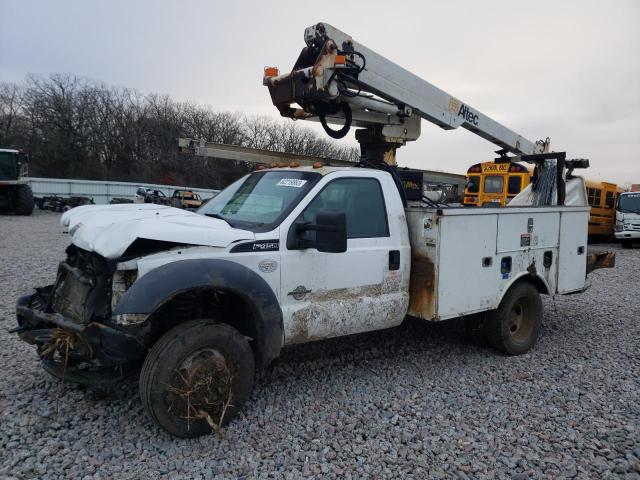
[[331, 233]]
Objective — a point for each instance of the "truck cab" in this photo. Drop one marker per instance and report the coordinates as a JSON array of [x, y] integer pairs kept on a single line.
[[15, 193], [627, 222]]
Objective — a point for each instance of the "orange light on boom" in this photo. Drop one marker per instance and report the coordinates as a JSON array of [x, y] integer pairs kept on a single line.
[[271, 72], [340, 60]]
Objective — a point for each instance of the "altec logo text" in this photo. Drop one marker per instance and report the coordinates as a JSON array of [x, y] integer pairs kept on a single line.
[[468, 115]]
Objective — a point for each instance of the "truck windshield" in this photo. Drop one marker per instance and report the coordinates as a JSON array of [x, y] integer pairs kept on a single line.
[[8, 166], [629, 203], [261, 200]]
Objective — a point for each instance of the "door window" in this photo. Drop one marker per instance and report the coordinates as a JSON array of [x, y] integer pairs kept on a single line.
[[609, 200], [362, 201]]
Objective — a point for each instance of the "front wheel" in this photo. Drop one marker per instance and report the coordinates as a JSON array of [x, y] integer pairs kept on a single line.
[[23, 202], [197, 377], [514, 327]]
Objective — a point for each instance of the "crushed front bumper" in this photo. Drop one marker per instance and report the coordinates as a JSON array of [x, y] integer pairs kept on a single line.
[[95, 344]]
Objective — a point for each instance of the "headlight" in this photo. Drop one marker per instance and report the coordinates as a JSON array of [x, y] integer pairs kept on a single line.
[[131, 318], [618, 228]]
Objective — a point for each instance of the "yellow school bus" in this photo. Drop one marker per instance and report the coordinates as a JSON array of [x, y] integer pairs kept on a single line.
[[495, 183], [602, 196]]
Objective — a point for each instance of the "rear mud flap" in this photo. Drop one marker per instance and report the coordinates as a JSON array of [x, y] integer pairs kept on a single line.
[[600, 259]]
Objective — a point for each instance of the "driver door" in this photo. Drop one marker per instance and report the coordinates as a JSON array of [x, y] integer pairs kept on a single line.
[[333, 294]]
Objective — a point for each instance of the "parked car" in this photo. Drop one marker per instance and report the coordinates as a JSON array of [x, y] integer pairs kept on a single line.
[[186, 199], [150, 195], [61, 204], [119, 200]]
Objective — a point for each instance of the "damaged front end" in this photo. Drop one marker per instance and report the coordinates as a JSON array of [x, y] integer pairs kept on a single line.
[[70, 322]]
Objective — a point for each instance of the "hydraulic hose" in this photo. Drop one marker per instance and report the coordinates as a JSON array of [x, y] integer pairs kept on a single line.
[[346, 109]]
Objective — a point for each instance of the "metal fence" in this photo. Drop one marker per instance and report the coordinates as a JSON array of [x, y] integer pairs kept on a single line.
[[101, 191]]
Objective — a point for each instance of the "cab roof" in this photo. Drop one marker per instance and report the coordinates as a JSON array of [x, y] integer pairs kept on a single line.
[[324, 170]]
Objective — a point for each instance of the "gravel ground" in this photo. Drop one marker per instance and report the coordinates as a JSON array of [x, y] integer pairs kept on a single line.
[[416, 401]]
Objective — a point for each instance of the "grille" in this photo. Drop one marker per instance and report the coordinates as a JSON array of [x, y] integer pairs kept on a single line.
[[71, 294], [83, 287]]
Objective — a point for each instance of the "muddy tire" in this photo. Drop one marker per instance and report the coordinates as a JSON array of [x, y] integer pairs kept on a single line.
[[514, 327], [198, 375], [23, 202]]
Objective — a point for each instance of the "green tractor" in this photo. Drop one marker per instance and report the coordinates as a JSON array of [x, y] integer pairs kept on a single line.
[[15, 193]]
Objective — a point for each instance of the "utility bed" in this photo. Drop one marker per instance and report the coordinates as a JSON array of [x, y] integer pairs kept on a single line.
[[463, 260]]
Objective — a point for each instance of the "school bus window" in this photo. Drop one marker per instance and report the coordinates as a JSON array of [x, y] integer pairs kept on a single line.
[[596, 197], [593, 196], [493, 184], [473, 184], [514, 185], [609, 200]]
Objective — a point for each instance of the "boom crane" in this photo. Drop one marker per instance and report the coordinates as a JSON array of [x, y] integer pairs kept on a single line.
[[337, 80]]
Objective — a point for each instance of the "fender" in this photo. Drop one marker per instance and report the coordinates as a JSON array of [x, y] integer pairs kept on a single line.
[[528, 276], [163, 283]]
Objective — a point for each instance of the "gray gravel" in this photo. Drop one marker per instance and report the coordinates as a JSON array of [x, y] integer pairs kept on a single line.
[[416, 401]]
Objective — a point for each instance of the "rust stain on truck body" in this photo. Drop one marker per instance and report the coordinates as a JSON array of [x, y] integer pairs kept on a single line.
[[422, 287]]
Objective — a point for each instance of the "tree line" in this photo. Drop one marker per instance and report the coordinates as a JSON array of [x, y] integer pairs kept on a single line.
[[77, 128]]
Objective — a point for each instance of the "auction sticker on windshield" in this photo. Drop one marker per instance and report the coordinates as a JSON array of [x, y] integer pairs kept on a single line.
[[291, 182]]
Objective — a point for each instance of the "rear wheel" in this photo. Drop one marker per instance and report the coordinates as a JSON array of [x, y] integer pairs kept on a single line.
[[23, 200], [514, 327], [197, 377]]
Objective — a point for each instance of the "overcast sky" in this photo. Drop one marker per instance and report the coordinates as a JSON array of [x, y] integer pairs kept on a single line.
[[569, 70]]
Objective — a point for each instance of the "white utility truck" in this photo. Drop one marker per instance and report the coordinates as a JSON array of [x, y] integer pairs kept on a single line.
[[291, 255]]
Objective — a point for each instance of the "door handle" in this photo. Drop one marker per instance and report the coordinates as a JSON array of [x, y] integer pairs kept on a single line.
[[394, 260]]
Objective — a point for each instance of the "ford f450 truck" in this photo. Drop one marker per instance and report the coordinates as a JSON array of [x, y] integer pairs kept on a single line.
[[284, 256], [291, 255]]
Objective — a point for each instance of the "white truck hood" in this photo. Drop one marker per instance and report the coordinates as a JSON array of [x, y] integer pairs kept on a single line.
[[108, 230]]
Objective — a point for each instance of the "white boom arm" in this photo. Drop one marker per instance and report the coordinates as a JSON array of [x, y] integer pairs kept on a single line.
[[338, 80]]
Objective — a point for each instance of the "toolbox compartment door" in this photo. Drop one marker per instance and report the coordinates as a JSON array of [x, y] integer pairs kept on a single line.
[[572, 259]]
